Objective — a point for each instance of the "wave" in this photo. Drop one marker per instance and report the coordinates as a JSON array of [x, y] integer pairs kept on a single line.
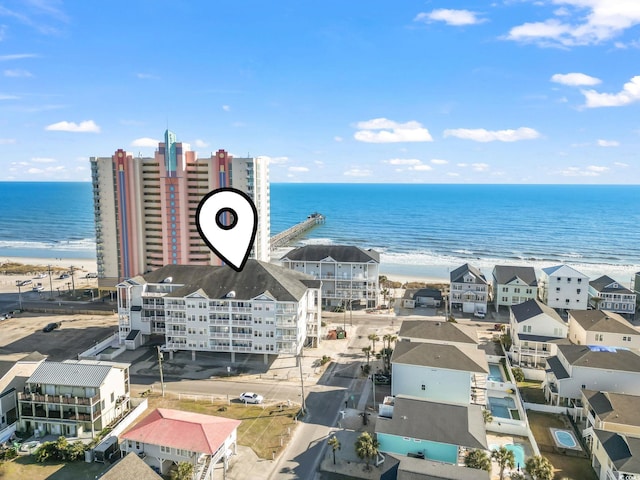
[[83, 244]]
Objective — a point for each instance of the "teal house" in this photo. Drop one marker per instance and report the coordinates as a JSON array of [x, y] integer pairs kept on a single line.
[[441, 432]]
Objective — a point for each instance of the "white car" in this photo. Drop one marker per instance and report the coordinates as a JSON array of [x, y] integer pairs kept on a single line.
[[250, 397]]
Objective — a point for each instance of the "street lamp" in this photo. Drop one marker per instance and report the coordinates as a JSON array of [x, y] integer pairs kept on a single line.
[[50, 284]]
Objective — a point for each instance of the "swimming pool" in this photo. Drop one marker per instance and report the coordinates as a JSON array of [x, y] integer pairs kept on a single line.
[[564, 438], [518, 452], [495, 374], [500, 406]]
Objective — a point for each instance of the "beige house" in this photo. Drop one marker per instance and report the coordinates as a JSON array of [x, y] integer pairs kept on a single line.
[[615, 456], [602, 327], [613, 412]]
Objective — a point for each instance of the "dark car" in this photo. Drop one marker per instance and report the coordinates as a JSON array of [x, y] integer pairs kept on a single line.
[[51, 327], [381, 379]]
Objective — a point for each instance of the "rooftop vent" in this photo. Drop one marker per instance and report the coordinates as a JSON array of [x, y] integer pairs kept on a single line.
[[167, 280], [231, 294]]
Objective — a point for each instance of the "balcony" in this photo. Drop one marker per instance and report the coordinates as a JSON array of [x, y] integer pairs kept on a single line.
[[58, 399]]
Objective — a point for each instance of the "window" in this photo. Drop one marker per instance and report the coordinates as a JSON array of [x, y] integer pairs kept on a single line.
[[113, 397], [164, 449], [599, 337], [526, 329], [516, 290], [579, 280], [505, 289], [578, 291], [626, 339], [423, 387], [557, 289]]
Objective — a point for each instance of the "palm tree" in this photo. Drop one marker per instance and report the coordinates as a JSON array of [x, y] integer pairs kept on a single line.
[[367, 352], [487, 416], [334, 443], [183, 471], [367, 447], [478, 459], [373, 337], [505, 458], [387, 351], [539, 468]]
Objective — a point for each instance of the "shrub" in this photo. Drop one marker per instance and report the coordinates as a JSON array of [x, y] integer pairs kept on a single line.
[[325, 359], [518, 374], [61, 449], [7, 453]]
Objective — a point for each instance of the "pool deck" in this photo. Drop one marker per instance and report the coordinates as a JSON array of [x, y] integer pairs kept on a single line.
[[500, 440], [559, 445]]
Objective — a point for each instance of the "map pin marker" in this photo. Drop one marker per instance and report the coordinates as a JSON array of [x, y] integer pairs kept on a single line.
[[227, 220]]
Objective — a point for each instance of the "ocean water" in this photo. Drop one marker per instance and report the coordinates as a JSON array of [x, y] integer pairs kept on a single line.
[[420, 230]]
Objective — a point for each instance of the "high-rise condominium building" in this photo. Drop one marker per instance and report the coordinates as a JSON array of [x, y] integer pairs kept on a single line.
[[145, 207]]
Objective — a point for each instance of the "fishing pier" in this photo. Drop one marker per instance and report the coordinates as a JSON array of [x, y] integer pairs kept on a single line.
[[284, 237]]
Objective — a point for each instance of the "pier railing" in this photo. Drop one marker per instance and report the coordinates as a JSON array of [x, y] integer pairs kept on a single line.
[[289, 234]]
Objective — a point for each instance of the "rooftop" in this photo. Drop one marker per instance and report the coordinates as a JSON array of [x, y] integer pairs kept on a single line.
[[421, 469], [130, 467], [615, 407], [607, 358], [607, 284], [71, 373], [623, 451], [532, 308], [505, 274], [458, 274], [439, 356], [602, 321], [563, 271], [339, 253], [430, 330], [557, 368]]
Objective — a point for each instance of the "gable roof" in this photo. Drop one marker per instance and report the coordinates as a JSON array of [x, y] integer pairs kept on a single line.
[[532, 308], [430, 330], [70, 374], [194, 432], [607, 358], [256, 278], [602, 321], [505, 274], [451, 423], [427, 292], [555, 366], [615, 407], [130, 467], [623, 451], [423, 469], [605, 284], [563, 270], [457, 275], [340, 253], [439, 356]]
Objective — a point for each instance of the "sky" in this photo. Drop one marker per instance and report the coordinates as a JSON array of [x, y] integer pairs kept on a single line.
[[442, 91]]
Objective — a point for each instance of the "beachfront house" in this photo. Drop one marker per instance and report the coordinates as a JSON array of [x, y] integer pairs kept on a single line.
[[564, 287], [636, 289], [613, 412], [602, 327], [513, 285], [615, 456], [439, 372], [421, 297], [74, 398], [607, 294], [264, 309], [578, 367], [167, 437], [438, 332], [536, 330], [469, 290], [349, 274], [438, 431]]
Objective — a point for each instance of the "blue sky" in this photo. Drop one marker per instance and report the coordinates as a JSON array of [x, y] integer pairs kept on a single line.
[[512, 91]]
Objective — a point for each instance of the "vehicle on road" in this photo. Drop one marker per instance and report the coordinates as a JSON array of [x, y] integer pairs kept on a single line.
[[25, 282], [63, 276], [41, 275], [479, 314], [91, 275], [50, 327], [381, 379], [250, 397], [5, 316], [38, 288]]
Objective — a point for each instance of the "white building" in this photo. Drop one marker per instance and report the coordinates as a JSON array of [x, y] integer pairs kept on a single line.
[[564, 287], [262, 309], [167, 437], [513, 285], [469, 290], [536, 330], [600, 327], [578, 367], [441, 333], [607, 294], [349, 274], [74, 398]]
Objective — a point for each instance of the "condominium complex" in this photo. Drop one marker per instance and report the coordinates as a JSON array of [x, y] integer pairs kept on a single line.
[[145, 207]]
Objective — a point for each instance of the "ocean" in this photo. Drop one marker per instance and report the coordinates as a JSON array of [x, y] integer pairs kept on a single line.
[[420, 230]]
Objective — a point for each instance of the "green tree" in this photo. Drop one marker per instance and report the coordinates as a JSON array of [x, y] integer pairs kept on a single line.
[[487, 416], [516, 476], [334, 443], [518, 374], [367, 447], [373, 337], [387, 351], [478, 459], [539, 468], [505, 459], [75, 451], [367, 352], [183, 471]]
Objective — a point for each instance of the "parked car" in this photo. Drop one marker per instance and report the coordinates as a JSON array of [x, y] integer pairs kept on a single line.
[[479, 314], [250, 397], [63, 276], [50, 327], [91, 275], [25, 282], [4, 316], [41, 275], [381, 379], [38, 288]]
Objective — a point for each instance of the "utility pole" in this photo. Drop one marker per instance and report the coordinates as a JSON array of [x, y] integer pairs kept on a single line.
[[373, 382], [160, 365], [50, 284], [304, 403], [18, 284], [72, 280]]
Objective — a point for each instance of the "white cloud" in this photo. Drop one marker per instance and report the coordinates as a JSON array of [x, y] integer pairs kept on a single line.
[[450, 17], [145, 142], [358, 172], [16, 56], [462, 165], [278, 160], [421, 168], [580, 22], [439, 161], [482, 135], [147, 76], [226, 108], [620, 164], [596, 168], [403, 161], [590, 171], [453, 174], [382, 130], [43, 160], [575, 79], [8, 97], [7, 141], [630, 93], [17, 73], [608, 143], [199, 143], [82, 127], [35, 171], [338, 139], [480, 167], [298, 169]]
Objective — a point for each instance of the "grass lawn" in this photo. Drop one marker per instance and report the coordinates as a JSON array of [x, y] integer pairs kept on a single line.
[[531, 391], [25, 467], [262, 428]]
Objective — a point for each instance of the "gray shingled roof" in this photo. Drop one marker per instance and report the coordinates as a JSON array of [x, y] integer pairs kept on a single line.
[[615, 407], [129, 468], [531, 308], [457, 275], [340, 253], [602, 283], [615, 359], [419, 469], [452, 423], [70, 374], [429, 330], [439, 356], [602, 321], [552, 270], [557, 368], [256, 278], [623, 451], [507, 273]]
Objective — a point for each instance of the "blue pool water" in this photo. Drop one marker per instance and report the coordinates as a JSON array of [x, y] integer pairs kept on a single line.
[[565, 438], [518, 452], [500, 406], [495, 375]]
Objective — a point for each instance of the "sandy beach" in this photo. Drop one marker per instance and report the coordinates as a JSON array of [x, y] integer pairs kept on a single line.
[[82, 266]]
